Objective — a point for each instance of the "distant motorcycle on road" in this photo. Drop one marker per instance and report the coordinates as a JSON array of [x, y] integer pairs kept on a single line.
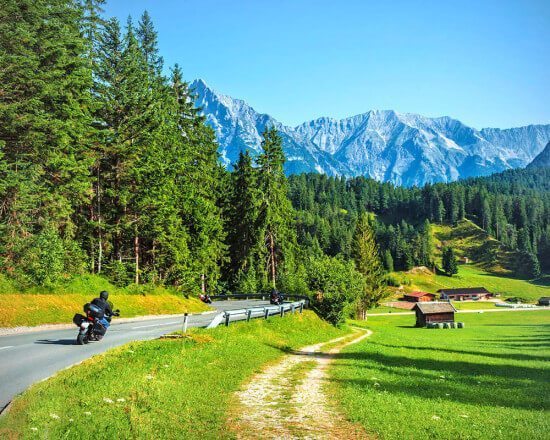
[[276, 297], [90, 326]]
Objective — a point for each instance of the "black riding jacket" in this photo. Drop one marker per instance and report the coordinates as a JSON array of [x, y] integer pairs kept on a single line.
[[104, 305]]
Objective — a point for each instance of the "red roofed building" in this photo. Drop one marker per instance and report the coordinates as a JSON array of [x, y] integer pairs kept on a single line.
[[418, 296]]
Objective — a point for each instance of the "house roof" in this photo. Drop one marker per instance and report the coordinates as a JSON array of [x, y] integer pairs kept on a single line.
[[418, 294], [464, 291], [429, 307]]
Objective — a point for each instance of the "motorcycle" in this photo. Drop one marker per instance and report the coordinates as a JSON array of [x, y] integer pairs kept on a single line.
[[205, 298], [276, 298], [90, 326]]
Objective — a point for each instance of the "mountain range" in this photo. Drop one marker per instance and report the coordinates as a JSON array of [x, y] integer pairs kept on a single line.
[[402, 148], [542, 160]]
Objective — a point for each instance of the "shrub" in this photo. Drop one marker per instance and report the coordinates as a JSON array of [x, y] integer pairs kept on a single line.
[[335, 286]]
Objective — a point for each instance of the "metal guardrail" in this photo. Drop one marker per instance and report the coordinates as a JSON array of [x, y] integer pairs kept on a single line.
[[262, 296], [257, 312]]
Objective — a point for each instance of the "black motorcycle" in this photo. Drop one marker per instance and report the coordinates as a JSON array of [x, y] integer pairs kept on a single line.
[[90, 326], [276, 298]]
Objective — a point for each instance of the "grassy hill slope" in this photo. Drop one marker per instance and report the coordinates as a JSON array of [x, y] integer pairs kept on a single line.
[[492, 265]]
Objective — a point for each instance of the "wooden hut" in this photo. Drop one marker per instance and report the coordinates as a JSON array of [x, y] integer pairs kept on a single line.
[[428, 312], [418, 296]]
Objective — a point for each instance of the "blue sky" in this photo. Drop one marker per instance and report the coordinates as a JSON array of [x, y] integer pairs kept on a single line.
[[486, 63]]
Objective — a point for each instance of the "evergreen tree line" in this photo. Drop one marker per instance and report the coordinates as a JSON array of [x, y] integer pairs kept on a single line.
[[513, 206], [106, 166]]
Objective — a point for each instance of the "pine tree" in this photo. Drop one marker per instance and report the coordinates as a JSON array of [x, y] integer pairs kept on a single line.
[[45, 118], [449, 261], [243, 233], [147, 37], [367, 262], [388, 260], [275, 215]]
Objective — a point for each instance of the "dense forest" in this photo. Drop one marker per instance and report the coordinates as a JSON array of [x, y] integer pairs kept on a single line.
[[107, 167], [513, 206]]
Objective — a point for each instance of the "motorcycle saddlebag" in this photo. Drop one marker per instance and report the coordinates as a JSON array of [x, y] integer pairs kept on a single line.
[[78, 318]]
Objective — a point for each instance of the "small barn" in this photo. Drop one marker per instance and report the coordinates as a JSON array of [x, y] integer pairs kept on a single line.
[[544, 301], [463, 294], [418, 296], [428, 312]]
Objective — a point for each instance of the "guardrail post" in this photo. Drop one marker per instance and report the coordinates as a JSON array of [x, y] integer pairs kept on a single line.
[[292, 308], [184, 325], [248, 315], [282, 311], [301, 307], [227, 315], [266, 313]]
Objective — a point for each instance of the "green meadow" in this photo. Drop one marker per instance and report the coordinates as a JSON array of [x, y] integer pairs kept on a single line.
[[490, 380]]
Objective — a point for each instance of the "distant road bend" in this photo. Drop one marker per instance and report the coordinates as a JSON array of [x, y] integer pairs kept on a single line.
[[30, 357]]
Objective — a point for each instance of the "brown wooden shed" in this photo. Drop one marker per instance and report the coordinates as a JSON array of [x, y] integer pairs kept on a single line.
[[418, 296], [427, 312]]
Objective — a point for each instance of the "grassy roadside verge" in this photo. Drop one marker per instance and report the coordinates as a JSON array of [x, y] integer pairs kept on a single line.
[[159, 389], [489, 380], [21, 306], [36, 309]]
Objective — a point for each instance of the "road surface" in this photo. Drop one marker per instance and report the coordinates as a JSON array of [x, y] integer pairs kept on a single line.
[[30, 357]]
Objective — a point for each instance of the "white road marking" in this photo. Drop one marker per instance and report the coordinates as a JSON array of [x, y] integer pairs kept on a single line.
[[156, 325], [7, 346]]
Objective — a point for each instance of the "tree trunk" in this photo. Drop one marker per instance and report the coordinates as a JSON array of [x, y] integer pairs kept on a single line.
[[136, 251], [272, 256], [92, 241], [99, 231]]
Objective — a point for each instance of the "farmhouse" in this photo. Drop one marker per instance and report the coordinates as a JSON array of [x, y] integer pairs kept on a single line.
[[544, 301], [427, 312], [418, 296], [462, 294]]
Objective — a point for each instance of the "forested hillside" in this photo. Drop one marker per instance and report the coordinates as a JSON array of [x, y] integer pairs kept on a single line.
[[513, 206], [107, 167]]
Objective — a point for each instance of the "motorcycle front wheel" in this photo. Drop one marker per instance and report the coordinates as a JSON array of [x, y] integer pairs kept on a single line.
[[81, 339]]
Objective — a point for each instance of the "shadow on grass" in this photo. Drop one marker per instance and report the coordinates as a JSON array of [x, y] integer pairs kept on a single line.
[[514, 356], [543, 281], [516, 397], [456, 381], [519, 380], [518, 387]]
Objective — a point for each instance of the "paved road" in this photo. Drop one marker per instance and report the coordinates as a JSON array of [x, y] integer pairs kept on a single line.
[[30, 357]]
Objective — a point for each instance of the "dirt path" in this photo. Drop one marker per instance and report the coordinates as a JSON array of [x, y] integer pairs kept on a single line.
[[287, 400]]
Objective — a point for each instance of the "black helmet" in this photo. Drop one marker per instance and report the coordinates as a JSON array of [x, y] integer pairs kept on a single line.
[[104, 295]]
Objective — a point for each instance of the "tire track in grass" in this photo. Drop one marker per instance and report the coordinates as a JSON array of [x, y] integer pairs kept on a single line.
[[287, 400]]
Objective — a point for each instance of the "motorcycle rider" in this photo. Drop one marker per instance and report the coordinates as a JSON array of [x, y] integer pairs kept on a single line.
[[106, 307], [276, 297]]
